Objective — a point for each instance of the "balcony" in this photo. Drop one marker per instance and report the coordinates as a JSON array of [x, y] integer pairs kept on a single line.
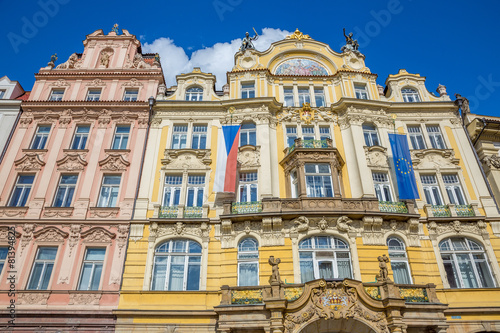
[[465, 210], [180, 212], [193, 212], [246, 207], [452, 210], [309, 144], [393, 207], [168, 212]]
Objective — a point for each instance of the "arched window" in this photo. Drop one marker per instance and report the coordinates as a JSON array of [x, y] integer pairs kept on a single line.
[[410, 95], [371, 136], [248, 135], [248, 262], [399, 261], [465, 263], [177, 265], [324, 257], [194, 94]]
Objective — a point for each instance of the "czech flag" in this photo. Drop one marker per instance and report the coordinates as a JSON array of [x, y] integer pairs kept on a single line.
[[227, 153]]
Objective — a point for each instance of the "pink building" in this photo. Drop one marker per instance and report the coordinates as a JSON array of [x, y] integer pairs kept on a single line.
[[69, 180]]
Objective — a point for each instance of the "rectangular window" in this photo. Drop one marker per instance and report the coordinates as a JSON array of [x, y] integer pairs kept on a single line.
[[42, 268], [120, 140], [248, 187], [179, 136], [41, 136], [288, 101], [172, 190], [56, 95], [291, 135], [294, 183], [81, 137], [93, 94], [65, 191], [21, 190], [454, 189], [319, 97], [360, 91], [416, 137], [2, 93], [304, 96], [371, 136], [308, 133], [318, 180], [248, 134], [247, 90], [3, 255], [199, 140], [196, 185], [92, 269], [324, 134], [436, 138], [382, 186], [431, 190], [131, 95], [109, 191]]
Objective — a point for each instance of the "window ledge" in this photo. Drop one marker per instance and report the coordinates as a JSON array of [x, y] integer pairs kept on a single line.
[[75, 150], [35, 150], [109, 151], [104, 212], [58, 211], [8, 211]]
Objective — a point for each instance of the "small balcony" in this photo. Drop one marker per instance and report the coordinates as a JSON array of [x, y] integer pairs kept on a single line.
[[180, 212], [193, 212], [452, 210], [393, 207], [246, 207], [309, 144], [168, 212]]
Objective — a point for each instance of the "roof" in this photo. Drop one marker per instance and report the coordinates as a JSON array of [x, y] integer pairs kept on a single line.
[[25, 96]]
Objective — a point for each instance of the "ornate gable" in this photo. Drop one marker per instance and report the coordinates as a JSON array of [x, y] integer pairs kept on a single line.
[[29, 162], [97, 235], [71, 162], [50, 234]]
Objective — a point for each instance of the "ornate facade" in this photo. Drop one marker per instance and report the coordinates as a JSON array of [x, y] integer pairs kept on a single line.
[[69, 183], [316, 188]]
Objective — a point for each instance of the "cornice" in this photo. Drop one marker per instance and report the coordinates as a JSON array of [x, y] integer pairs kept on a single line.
[[182, 105], [89, 104], [345, 102]]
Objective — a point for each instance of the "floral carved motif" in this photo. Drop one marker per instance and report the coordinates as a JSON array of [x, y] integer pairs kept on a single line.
[[50, 234], [458, 227], [121, 240], [74, 236], [103, 212], [71, 162], [84, 299], [29, 162], [32, 298], [60, 83], [97, 235], [492, 161], [133, 83], [248, 157], [58, 211], [13, 211], [124, 117], [96, 83], [180, 228], [114, 162], [179, 159]]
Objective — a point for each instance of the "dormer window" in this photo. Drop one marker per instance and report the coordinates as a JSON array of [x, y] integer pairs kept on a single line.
[[410, 95], [360, 91], [56, 95], [2, 93], [194, 94]]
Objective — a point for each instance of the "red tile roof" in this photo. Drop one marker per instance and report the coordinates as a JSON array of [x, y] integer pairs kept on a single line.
[[25, 96]]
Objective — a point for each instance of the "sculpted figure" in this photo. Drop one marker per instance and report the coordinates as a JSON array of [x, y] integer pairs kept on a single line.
[[382, 264], [246, 43], [275, 276], [105, 59]]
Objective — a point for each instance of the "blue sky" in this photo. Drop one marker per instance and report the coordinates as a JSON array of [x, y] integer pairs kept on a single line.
[[455, 43]]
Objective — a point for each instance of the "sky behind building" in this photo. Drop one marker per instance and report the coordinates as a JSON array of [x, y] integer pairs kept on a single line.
[[454, 43]]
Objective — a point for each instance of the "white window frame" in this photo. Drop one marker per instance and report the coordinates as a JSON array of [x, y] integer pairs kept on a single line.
[[319, 93], [80, 136], [66, 202], [432, 189], [248, 90], [121, 137], [199, 133], [173, 187], [370, 134], [56, 95], [303, 95], [111, 187], [2, 93], [131, 94], [24, 187], [410, 95], [287, 94], [398, 255], [45, 263], [196, 186], [319, 174], [194, 94], [453, 189], [361, 91], [246, 182], [93, 94], [247, 133], [43, 138], [94, 263], [436, 137], [253, 260], [179, 133], [382, 186], [415, 132]]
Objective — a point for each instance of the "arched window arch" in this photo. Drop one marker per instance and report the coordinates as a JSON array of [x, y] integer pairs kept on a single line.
[[371, 135], [248, 134], [410, 95], [177, 264], [194, 94], [465, 263], [248, 262], [399, 261], [324, 257]]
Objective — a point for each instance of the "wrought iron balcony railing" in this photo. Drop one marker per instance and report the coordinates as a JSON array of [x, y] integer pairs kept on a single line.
[[193, 212]]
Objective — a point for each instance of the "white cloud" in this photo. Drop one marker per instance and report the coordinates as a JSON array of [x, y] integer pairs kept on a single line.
[[217, 59]]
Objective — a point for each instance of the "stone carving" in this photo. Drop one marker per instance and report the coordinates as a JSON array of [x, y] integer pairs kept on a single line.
[[322, 224], [101, 212], [302, 224], [96, 83], [13, 211], [26, 119], [71, 162], [70, 63], [60, 83], [106, 57], [50, 234], [57, 211], [372, 230], [275, 275], [84, 299], [32, 298], [114, 162], [29, 162], [492, 161], [133, 83], [27, 236], [383, 274], [344, 224], [458, 227], [74, 236], [4, 234], [434, 159], [158, 230], [181, 159], [376, 156], [121, 240], [248, 157], [97, 235]]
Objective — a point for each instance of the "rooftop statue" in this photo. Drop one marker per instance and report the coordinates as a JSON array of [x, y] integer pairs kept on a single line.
[[246, 43], [115, 28], [350, 43]]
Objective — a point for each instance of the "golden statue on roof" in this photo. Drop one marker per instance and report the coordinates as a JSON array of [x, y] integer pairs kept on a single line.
[[298, 35]]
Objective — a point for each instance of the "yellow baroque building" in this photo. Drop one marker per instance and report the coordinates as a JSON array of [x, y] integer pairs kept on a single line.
[[315, 188]]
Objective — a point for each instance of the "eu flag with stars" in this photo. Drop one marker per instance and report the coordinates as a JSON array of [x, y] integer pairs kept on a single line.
[[403, 167]]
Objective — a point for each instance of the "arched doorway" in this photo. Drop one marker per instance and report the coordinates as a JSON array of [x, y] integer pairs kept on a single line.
[[337, 326]]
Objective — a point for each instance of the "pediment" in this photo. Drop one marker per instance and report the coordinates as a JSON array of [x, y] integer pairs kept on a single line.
[[50, 234], [98, 235], [29, 162], [114, 162], [434, 158], [71, 162], [184, 159]]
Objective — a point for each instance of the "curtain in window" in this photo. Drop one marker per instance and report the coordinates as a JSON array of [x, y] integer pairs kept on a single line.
[[248, 274], [325, 270], [176, 273], [400, 272], [306, 270], [159, 273]]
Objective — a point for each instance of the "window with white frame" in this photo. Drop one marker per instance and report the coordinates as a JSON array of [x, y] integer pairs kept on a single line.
[[65, 191], [288, 98], [371, 135], [291, 135], [120, 139], [410, 95], [360, 91], [308, 133], [248, 262], [81, 136], [21, 190], [177, 265], [195, 188], [41, 136], [90, 276], [324, 257], [294, 182], [431, 190], [416, 137], [318, 180], [199, 138], [248, 134], [319, 97], [108, 196], [2, 93], [3, 256], [436, 138], [399, 261], [172, 190], [247, 187], [56, 95], [247, 90], [304, 96], [179, 136], [93, 94], [194, 94], [324, 134], [382, 186], [42, 268], [466, 264], [131, 95], [454, 189]]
